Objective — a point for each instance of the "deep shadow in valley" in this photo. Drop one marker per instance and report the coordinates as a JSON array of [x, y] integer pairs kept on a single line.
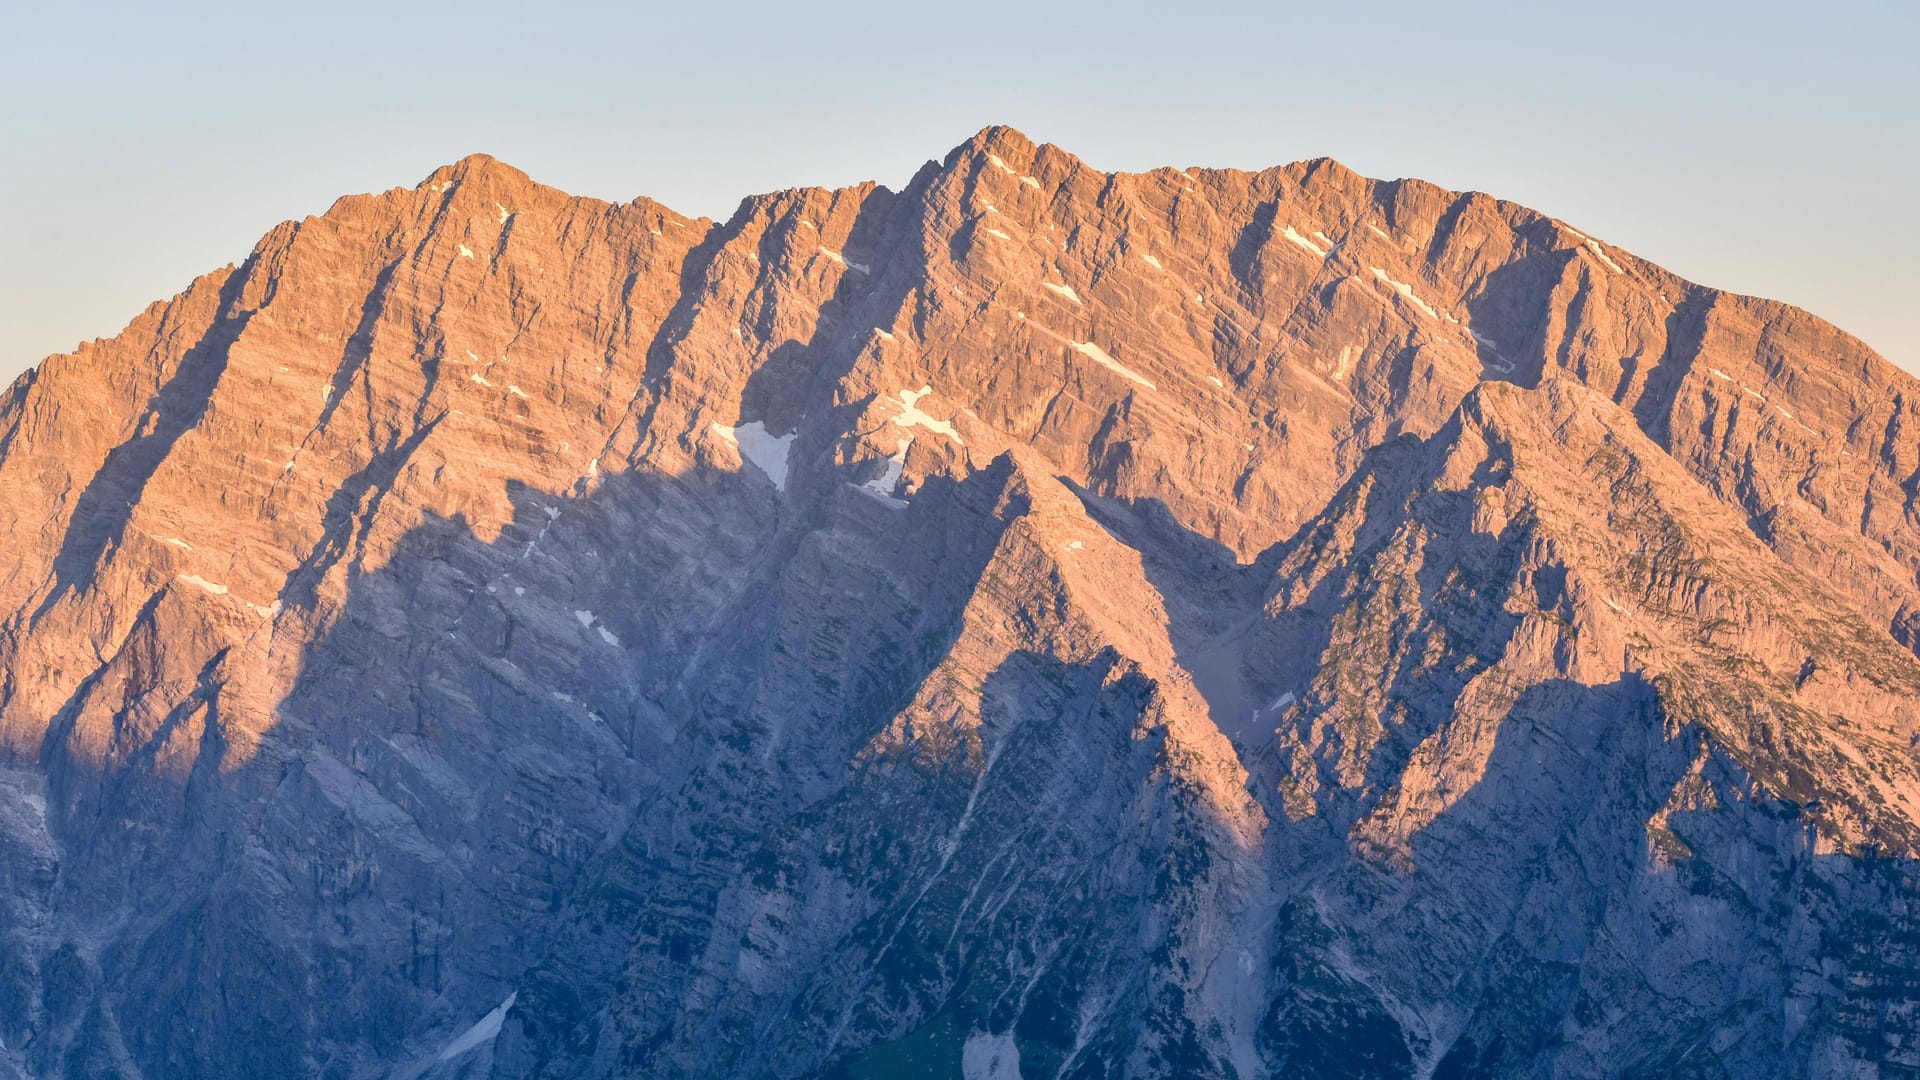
[[576, 762]]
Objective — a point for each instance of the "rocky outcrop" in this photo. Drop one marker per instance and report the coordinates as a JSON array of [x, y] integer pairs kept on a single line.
[[1181, 623]]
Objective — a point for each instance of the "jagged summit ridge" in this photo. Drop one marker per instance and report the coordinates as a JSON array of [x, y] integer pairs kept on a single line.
[[1192, 622]]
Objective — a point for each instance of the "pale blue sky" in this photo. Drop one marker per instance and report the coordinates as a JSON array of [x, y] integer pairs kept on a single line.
[[1765, 147]]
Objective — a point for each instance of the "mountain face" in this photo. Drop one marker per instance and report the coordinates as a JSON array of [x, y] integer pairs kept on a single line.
[[1039, 622]]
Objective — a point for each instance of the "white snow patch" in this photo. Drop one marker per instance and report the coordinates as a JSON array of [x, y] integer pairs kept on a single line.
[[1030, 181], [519, 590], [175, 542], [1151, 261], [1755, 393], [1075, 545], [1322, 237], [1615, 606], [1215, 380], [1345, 364], [1063, 290], [881, 487], [587, 619], [998, 233], [472, 357], [990, 1057], [1405, 291], [1281, 702], [994, 160], [1594, 246], [1718, 374], [552, 512], [466, 252], [516, 391], [481, 1033], [1291, 234], [891, 502], [1499, 362], [1578, 235], [1099, 356], [861, 268], [768, 453], [911, 416], [1378, 231], [477, 377], [212, 587], [883, 333]]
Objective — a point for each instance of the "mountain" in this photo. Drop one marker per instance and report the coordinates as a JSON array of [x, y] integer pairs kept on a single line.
[[1039, 622]]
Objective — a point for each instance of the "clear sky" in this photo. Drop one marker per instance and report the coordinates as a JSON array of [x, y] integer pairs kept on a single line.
[[1765, 147]]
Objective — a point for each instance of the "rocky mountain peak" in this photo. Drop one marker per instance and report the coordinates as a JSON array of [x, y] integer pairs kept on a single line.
[[1192, 622], [479, 168], [1008, 143]]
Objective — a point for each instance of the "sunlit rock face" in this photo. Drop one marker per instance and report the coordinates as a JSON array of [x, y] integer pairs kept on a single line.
[[1038, 622]]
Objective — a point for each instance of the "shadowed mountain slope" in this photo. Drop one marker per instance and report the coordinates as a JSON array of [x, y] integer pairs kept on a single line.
[[1035, 622]]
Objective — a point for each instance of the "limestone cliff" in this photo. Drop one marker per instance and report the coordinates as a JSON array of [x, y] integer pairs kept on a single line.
[[1183, 623]]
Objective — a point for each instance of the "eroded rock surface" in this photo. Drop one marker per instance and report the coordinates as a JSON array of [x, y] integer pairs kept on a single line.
[[1038, 622]]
